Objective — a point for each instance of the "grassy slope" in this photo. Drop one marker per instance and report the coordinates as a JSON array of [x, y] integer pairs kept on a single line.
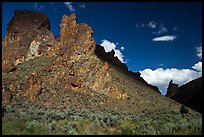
[[151, 113]]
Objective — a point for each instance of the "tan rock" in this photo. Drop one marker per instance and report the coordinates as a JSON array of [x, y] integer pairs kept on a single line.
[[32, 87], [6, 96]]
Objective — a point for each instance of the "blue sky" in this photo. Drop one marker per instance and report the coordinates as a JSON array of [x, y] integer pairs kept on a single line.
[[161, 40]]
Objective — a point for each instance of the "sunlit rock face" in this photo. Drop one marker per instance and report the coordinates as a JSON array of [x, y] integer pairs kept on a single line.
[[27, 36], [79, 66]]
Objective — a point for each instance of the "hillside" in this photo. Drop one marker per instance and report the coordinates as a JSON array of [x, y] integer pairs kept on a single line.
[[189, 94], [44, 77]]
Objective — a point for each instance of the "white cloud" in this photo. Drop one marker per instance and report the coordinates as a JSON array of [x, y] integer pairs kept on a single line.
[[70, 6], [161, 77], [122, 48], [164, 38], [109, 46], [119, 55], [199, 51], [152, 24], [83, 6], [198, 66], [161, 30]]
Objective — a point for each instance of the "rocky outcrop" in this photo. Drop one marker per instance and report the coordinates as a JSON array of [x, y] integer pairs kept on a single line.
[[81, 69], [6, 96], [110, 58], [189, 94], [32, 87], [79, 65], [27, 36], [172, 89]]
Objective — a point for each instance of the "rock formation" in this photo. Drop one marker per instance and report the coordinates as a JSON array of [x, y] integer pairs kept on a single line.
[[172, 89], [27, 36], [109, 57], [70, 70], [32, 87], [189, 94]]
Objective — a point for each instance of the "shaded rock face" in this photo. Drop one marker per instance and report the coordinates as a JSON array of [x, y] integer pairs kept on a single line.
[[189, 94], [24, 21], [100, 52], [27, 36], [172, 89], [109, 57]]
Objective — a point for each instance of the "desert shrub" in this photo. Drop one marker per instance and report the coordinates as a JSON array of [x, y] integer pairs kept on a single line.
[[74, 122], [126, 127], [11, 127], [183, 109], [22, 127], [127, 131], [150, 130], [70, 129], [35, 128], [97, 121]]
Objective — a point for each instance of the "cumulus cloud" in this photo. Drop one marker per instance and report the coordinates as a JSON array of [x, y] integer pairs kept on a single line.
[[119, 55], [109, 46], [122, 48], [152, 24], [164, 38], [160, 77], [70, 6], [199, 52], [198, 66]]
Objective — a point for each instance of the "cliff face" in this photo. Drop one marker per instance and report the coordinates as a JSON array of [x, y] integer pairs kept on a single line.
[[189, 94], [70, 70], [76, 65], [27, 36], [172, 89]]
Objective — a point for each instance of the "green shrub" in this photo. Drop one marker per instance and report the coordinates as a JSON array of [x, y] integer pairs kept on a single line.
[[22, 127]]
